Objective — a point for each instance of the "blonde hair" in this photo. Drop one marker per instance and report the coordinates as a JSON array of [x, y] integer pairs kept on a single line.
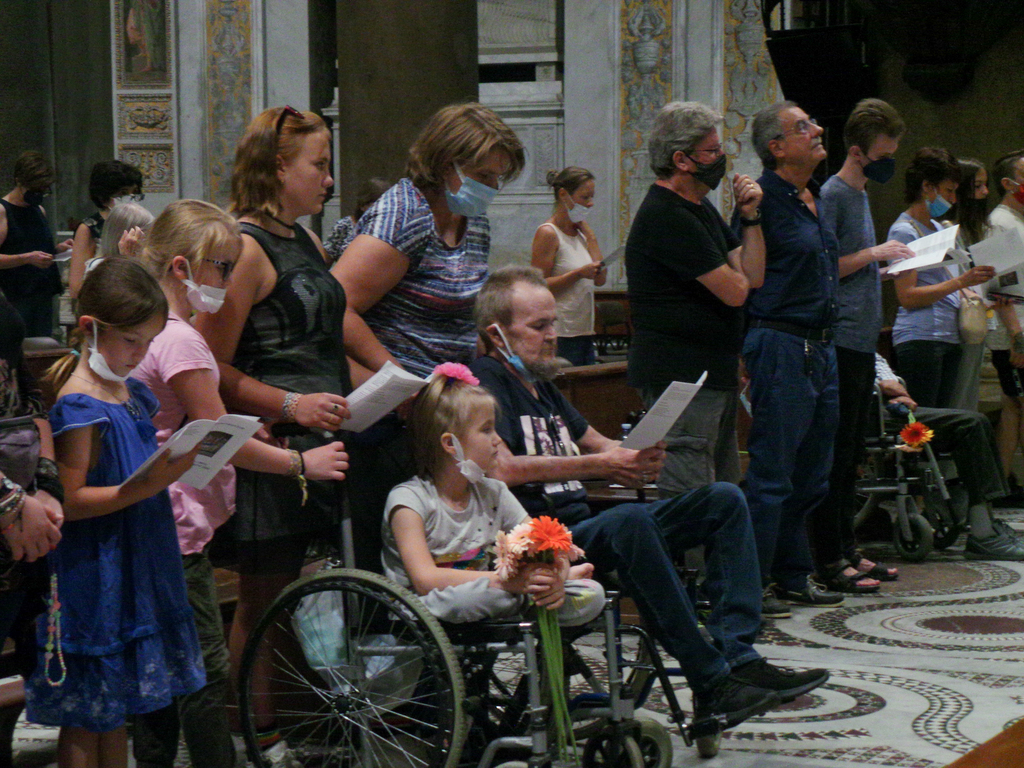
[[119, 293], [123, 217], [463, 135], [272, 133], [194, 229], [445, 405]]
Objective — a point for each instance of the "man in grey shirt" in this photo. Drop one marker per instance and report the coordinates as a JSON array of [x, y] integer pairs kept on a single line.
[[872, 135]]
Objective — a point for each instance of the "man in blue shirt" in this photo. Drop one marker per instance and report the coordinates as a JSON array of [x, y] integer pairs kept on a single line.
[[789, 356]]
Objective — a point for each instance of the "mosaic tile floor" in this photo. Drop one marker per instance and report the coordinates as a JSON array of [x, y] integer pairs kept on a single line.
[[922, 672]]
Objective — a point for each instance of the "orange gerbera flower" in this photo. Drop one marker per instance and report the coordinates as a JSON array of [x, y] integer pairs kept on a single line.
[[547, 533], [916, 434]]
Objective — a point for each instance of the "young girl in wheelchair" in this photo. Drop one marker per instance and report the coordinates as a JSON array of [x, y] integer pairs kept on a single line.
[[439, 526]]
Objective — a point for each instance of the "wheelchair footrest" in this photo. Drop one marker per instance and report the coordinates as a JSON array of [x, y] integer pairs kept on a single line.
[[709, 726]]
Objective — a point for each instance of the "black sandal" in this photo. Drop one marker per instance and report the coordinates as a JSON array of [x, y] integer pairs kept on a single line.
[[834, 579], [878, 571]]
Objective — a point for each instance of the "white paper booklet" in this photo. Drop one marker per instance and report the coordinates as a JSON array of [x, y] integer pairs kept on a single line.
[[611, 258], [379, 395], [1004, 251], [220, 440], [929, 251], [66, 256], [663, 414]]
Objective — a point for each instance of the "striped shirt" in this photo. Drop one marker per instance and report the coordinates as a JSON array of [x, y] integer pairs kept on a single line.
[[427, 318]]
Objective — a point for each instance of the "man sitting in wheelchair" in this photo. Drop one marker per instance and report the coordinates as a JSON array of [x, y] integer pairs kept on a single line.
[[548, 448], [969, 437]]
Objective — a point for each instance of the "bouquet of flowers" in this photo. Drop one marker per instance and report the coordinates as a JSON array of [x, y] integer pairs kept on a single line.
[[544, 540], [915, 435]]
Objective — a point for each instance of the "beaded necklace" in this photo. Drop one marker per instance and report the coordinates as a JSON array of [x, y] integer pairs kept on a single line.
[[53, 639]]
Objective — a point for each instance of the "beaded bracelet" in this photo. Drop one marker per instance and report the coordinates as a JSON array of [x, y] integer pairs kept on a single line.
[[290, 406], [297, 469], [53, 636], [13, 502]]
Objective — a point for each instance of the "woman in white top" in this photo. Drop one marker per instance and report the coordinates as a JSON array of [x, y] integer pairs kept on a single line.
[[566, 251]]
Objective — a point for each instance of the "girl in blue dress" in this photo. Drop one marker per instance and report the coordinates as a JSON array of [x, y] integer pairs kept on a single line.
[[118, 638]]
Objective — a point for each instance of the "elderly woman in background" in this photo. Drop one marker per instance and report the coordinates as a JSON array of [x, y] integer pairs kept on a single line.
[[110, 182], [412, 275], [565, 249], [344, 231], [926, 334], [28, 275], [125, 228]]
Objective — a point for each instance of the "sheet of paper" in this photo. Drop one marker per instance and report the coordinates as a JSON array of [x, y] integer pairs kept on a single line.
[[1004, 251], [379, 395], [220, 441], [929, 251], [615, 255], [66, 256], [663, 414]]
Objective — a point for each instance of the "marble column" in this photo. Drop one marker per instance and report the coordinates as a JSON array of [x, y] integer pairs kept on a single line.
[[398, 63]]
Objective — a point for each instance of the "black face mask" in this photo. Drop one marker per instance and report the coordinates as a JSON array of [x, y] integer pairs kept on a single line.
[[35, 197], [710, 174]]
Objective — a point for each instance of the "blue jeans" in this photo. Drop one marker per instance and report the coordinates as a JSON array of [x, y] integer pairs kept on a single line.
[[794, 392], [578, 350], [640, 540]]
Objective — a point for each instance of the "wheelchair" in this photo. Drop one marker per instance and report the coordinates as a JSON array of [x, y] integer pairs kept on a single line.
[[357, 672], [921, 491]]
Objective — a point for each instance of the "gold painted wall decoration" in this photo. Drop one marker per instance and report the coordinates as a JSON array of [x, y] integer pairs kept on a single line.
[[144, 116], [156, 161]]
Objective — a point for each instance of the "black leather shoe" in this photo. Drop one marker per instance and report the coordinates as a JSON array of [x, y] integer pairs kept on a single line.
[[812, 596], [788, 683], [733, 700]]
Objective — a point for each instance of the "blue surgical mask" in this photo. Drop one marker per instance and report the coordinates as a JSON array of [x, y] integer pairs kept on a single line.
[[473, 197], [939, 206], [513, 359]]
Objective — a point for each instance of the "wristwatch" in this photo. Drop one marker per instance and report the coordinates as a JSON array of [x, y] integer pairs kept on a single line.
[[754, 222], [7, 487]]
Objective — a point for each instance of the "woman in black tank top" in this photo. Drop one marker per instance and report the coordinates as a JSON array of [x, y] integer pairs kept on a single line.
[[279, 341], [28, 276]]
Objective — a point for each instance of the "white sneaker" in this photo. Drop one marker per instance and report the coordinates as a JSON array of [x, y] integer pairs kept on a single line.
[[279, 756]]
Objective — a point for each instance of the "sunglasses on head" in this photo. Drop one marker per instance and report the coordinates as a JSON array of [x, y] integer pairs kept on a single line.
[[286, 112]]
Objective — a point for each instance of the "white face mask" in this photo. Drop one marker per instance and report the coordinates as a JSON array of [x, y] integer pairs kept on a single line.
[[469, 468], [203, 298], [578, 212], [98, 363]]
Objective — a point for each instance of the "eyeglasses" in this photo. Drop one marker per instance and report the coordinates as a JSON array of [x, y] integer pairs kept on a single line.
[[138, 197], [225, 267], [800, 126], [715, 152], [286, 112]]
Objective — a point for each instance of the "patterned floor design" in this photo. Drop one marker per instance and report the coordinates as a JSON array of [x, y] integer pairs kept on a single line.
[[922, 672]]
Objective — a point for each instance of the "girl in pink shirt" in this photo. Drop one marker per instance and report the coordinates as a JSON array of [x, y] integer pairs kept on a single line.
[[191, 250]]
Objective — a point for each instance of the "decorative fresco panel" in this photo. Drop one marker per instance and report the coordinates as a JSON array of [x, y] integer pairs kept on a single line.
[[750, 86], [646, 67], [145, 116], [228, 88], [142, 42], [156, 161]]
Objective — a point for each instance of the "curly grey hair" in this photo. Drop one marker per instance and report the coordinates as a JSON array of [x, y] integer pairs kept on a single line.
[[768, 126], [678, 127]]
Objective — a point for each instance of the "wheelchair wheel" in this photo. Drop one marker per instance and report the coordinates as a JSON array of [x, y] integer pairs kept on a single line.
[[919, 545], [598, 752], [355, 673], [655, 744], [707, 746]]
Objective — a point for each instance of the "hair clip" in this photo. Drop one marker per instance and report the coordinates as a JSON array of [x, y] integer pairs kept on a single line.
[[456, 371]]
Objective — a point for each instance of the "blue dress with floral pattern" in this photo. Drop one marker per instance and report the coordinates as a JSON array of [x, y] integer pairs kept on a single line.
[[127, 633]]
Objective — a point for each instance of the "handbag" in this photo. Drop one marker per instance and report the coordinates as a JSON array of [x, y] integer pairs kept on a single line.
[[973, 319], [19, 449]]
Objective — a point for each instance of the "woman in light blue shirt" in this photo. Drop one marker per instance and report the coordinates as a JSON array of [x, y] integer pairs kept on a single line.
[[926, 334]]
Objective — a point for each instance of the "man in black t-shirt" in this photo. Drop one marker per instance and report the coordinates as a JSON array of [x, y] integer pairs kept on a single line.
[[689, 276], [549, 448]]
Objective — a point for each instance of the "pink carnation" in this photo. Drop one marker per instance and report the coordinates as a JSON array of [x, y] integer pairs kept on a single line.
[[457, 371]]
